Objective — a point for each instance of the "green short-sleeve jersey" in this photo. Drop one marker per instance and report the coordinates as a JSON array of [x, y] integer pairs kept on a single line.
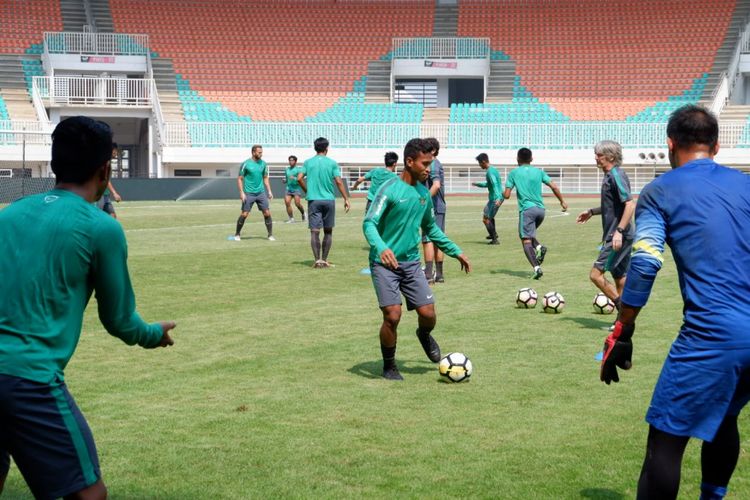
[[253, 173], [528, 182], [57, 249], [395, 218], [291, 178], [377, 177], [494, 183], [320, 172]]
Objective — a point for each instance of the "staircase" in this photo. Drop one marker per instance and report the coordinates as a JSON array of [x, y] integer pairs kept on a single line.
[[435, 116], [73, 15], [501, 81], [378, 87], [13, 88], [726, 51], [446, 20], [101, 16]]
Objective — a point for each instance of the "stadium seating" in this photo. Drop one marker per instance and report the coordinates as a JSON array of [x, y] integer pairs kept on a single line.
[[272, 60], [592, 62], [23, 23]]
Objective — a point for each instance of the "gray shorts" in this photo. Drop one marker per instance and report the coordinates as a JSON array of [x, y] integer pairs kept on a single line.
[[260, 199], [105, 203], [321, 213], [528, 222], [440, 221], [490, 210], [295, 192], [617, 263], [408, 280]]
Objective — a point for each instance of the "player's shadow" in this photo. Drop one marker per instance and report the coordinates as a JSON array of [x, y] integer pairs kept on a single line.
[[511, 272], [374, 369], [305, 263], [592, 323], [601, 494]]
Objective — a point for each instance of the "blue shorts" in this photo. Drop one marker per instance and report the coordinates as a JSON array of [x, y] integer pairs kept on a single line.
[[44, 431], [698, 388]]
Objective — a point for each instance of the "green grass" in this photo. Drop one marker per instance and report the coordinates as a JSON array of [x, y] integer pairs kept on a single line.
[[273, 387]]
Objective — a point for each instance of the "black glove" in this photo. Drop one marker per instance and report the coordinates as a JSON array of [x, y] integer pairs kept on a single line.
[[618, 352]]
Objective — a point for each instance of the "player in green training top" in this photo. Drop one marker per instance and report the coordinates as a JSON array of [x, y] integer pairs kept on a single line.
[[58, 248], [254, 189], [377, 176], [316, 179], [392, 226], [528, 182], [293, 190], [105, 202], [495, 186]]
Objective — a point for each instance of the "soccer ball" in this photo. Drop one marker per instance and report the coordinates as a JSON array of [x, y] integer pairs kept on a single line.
[[553, 302], [603, 304], [526, 298], [455, 367]]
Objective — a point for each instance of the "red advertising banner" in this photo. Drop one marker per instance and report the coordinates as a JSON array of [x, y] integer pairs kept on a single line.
[[439, 64], [98, 59]]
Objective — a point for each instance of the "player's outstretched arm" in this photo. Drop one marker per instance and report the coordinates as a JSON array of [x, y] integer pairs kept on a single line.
[[359, 181], [166, 339]]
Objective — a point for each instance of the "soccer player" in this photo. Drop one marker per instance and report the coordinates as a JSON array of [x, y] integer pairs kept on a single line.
[[527, 181], [705, 380], [293, 190], [316, 178], [616, 208], [401, 208], [59, 249], [255, 189], [377, 177], [436, 184], [105, 202], [495, 186]]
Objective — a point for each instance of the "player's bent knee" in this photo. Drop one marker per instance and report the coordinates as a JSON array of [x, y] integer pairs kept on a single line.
[[97, 491], [392, 315]]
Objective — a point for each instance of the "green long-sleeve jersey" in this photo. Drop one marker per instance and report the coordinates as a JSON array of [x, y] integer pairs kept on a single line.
[[397, 214], [56, 250], [493, 183]]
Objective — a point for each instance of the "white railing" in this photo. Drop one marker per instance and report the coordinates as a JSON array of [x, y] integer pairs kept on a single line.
[[115, 44], [727, 81], [20, 131], [82, 91], [441, 48], [581, 135], [157, 114]]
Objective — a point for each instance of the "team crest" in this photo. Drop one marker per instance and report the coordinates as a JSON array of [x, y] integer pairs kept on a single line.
[[422, 200]]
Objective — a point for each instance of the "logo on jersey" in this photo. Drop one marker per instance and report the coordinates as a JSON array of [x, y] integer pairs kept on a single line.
[[51, 198], [422, 200]]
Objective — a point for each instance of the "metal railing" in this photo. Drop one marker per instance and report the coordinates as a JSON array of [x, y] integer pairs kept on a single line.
[[24, 131], [82, 91], [728, 79], [115, 44], [441, 48], [387, 135]]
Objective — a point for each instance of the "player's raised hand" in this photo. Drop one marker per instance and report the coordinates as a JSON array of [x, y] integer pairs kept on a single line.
[[166, 340], [618, 352], [465, 264], [388, 259], [583, 217]]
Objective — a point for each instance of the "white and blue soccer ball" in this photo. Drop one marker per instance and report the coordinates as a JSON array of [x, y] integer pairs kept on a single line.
[[553, 302], [455, 367], [603, 304], [526, 298]]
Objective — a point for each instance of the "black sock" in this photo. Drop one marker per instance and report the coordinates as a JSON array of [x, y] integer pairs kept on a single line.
[[240, 223], [535, 242], [660, 476], [493, 229], [530, 254], [439, 268], [719, 457], [269, 225], [327, 242], [428, 269], [423, 334], [490, 231], [389, 356], [315, 244]]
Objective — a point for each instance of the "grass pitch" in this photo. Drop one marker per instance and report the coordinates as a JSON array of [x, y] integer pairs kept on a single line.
[[273, 387]]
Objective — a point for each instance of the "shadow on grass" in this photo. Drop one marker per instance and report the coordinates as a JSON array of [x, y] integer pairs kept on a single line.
[[374, 369], [601, 494], [304, 263], [511, 272], [595, 324]]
